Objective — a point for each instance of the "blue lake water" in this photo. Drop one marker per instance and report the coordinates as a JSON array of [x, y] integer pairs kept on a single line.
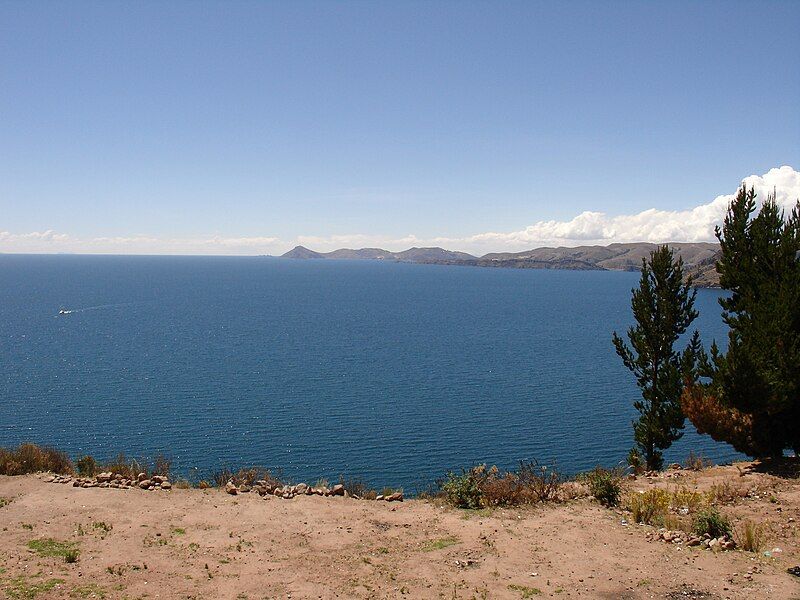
[[391, 372]]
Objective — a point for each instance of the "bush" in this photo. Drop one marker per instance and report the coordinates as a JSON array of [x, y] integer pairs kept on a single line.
[[247, 476], [356, 486], [87, 466], [636, 462], [30, 458], [710, 521], [604, 486], [539, 481], [649, 507], [128, 468], [696, 462], [465, 490], [481, 486]]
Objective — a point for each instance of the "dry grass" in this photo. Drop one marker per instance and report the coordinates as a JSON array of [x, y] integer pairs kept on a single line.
[[30, 458], [246, 476], [749, 536]]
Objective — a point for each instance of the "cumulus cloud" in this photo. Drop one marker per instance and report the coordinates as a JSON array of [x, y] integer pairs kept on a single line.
[[652, 225]]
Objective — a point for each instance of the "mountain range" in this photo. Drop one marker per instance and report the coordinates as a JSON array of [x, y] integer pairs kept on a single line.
[[699, 258]]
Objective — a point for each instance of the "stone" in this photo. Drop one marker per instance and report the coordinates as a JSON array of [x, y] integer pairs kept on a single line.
[[379, 497], [166, 485], [141, 476], [693, 541], [337, 490], [244, 489], [103, 477], [158, 479], [231, 488], [144, 484], [395, 497], [301, 488]]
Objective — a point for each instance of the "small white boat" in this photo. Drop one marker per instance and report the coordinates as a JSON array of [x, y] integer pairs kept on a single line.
[[64, 311]]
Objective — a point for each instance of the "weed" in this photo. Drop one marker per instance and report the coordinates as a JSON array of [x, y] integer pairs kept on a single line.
[[439, 544], [91, 590], [727, 491], [465, 490], [750, 536], [649, 507], [27, 526], [527, 592], [103, 526], [178, 531], [4, 502], [696, 462], [87, 466], [710, 521], [604, 485], [49, 547], [22, 588], [30, 458]]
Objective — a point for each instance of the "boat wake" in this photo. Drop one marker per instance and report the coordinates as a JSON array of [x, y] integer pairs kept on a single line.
[[65, 311]]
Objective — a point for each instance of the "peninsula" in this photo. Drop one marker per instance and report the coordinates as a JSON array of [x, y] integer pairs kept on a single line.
[[699, 258]]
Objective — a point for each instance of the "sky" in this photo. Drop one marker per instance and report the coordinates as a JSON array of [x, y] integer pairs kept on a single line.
[[251, 127]]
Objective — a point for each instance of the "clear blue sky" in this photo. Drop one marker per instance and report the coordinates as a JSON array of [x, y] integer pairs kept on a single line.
[[433, 118]]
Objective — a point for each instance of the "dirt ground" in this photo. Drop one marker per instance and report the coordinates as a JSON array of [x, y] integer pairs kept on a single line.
[[207, 544]]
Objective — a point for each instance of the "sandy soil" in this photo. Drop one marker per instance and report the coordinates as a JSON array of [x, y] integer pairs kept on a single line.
[[207, 544]]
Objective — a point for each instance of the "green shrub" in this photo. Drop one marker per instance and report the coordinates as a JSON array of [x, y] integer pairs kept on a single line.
[[465, 490], [604, 486], [87, 466], [710, 521]]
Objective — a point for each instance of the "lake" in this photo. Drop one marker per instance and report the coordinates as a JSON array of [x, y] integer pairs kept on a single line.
[[388, 371]]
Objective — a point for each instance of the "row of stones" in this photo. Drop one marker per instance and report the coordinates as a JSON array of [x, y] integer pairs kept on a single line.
[[706, 541], [287, 492], [115, 480], [261, 487]]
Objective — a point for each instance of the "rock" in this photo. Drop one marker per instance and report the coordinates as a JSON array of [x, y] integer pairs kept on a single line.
[[337, 490], [794, 571], [158, 479], [674, 467], [144, 484], [301, 488], [231, 488], [694, 541], [103, 477], [728, 545], [244, 489], [141, 476], [379, 497], [166, 485], [395, 497]]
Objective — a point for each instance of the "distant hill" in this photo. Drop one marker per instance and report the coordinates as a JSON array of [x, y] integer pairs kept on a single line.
[[705, 273], [699, 258]]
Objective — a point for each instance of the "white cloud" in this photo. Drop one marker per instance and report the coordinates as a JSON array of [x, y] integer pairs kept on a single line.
[[651, 225]]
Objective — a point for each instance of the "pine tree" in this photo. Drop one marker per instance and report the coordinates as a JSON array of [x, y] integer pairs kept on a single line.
[[758, 379], [663, 307]]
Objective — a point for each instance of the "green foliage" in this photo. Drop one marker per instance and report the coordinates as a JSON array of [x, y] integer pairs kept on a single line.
[[663, 307], [26, 588], [710, 521], [87, 466], [759, 376], [604, 486], [48, 547], [464, 490], [439, 544]]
